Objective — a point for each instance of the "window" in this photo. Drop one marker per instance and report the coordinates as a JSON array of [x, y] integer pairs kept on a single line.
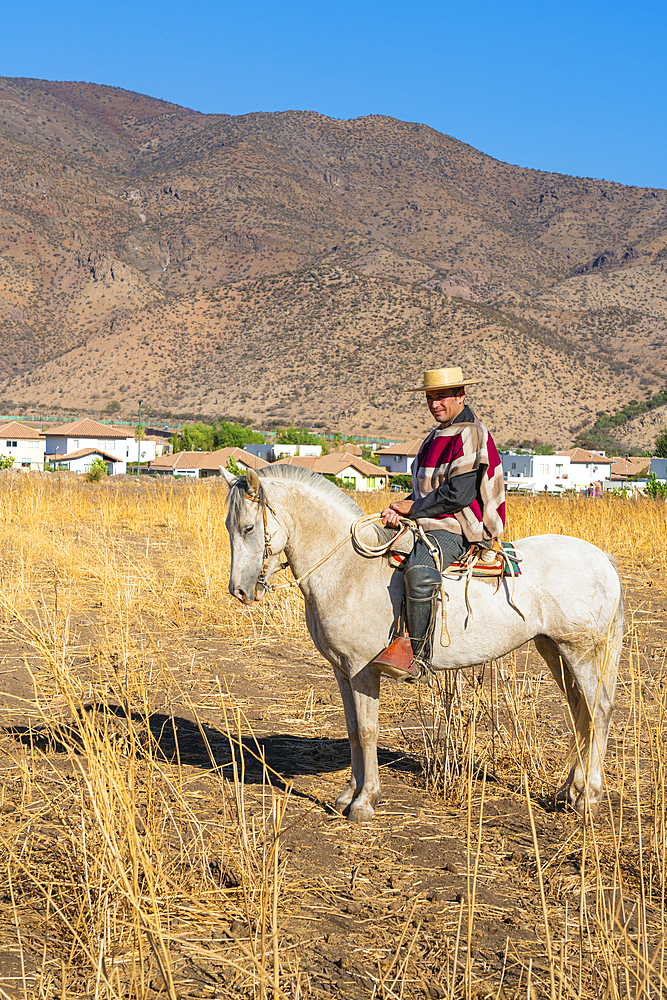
[[514, 465], [25, 465], [12, 444], [544, 469]]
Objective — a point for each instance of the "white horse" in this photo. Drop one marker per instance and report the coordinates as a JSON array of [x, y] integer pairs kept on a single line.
[[569, 594]]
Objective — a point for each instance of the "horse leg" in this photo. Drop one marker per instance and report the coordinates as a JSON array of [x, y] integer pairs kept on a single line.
[[576, 673], [366, 692], [356, 781]]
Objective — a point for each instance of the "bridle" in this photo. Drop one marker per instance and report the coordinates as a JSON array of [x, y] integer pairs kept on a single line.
[[262, 580]]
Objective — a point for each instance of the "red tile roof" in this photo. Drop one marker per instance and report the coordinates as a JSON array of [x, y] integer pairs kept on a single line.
[[81, 453], [402, 448], [208, 460], [335, 463], [579, 456], [14, 429], [623, 467], [89, 428]]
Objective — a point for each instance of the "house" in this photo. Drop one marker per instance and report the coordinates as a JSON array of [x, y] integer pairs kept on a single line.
[[398, 458], [202, 464], [149, 450], [86, 433], [82, 459], [291, 450], [355, 472], [623, 469], [24, 444], [586, 467], [536, 473], [212, 460], [517, 465]]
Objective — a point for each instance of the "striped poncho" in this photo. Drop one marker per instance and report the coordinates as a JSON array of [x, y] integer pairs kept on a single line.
[[464, 447]]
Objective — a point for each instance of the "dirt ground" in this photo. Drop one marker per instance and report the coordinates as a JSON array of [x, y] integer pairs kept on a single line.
[[400, 906]]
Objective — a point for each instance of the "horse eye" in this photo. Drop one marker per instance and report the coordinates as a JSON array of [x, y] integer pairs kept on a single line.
[[248, 529]]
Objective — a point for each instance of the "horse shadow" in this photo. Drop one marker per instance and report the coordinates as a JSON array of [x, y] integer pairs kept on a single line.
[[275, 758]]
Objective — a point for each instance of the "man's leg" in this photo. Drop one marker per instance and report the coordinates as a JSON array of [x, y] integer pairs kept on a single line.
[[422, 585]]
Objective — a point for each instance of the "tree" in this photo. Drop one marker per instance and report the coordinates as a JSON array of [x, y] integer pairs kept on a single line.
[[112, 407], [234, 467], [6, 461], [661, 444], [98, 468], [140, 431]]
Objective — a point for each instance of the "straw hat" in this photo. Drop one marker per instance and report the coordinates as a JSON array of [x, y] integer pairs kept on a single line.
[[444, 378]]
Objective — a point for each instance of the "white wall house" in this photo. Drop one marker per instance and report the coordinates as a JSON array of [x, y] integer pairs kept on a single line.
[[537, 472], [87, 433], [574, 469], [290, 450], [587, 467], [24, 444], [149, 450], [80, 461], [398, 458]]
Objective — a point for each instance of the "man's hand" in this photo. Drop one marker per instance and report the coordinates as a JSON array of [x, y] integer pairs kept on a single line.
[[391, 515]]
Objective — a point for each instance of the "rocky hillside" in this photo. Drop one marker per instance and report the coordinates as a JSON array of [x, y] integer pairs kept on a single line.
[[291, 267]]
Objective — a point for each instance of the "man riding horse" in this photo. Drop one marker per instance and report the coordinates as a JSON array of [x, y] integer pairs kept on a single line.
[[458, 499]]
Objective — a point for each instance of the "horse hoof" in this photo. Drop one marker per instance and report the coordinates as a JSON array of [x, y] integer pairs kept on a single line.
[[342, 803], [586, 807], [360, 812]]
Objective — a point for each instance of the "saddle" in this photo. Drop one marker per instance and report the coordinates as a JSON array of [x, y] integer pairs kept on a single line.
[[495, 563]]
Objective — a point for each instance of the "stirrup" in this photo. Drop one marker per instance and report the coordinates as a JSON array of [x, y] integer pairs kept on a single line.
[[398, 661]]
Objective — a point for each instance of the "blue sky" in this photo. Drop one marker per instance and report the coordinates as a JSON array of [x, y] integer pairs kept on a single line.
[[578, 88]]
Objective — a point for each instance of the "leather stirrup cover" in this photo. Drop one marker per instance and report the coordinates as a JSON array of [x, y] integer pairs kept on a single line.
[[397, 656]]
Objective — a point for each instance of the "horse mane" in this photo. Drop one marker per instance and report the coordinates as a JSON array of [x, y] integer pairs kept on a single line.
[[324, 487]]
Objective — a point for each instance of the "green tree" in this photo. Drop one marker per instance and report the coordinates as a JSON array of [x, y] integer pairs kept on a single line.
[[6, 461], [544, 449], [112, 407], [209, 437], [660, 448], [98, 469], [142, 429], [655, 489], [234, 467]]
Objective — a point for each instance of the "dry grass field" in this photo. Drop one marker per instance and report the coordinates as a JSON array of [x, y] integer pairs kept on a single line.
[[169, 760]]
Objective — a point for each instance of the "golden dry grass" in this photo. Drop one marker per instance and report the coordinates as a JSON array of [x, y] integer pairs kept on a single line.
[[126, 875]]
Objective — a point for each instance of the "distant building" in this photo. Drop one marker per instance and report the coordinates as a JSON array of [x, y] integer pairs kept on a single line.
[[81, 434], [536, 473], [398, 458], [291, 450], [623, 469], [587, 467], [80, 461], [355, 472], [202, 464], [24, 444]]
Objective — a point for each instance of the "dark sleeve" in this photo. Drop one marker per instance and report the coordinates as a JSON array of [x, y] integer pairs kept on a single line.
[[453, 496]]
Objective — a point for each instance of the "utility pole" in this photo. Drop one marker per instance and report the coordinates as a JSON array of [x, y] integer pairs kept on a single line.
[[139, 445]]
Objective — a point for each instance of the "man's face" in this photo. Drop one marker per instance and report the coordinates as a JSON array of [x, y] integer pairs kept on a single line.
[[446, 404]]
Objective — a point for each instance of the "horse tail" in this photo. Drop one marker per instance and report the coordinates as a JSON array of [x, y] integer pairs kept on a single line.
[[608, 651], [611, 654]]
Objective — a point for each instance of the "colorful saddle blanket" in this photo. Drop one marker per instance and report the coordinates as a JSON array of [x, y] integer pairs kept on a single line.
[[499, 566]]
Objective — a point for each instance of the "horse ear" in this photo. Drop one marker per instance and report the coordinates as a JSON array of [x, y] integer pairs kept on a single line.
[[252, 480], [227, 476]]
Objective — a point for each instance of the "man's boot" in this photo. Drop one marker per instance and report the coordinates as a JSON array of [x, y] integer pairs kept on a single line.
[[409, 656]]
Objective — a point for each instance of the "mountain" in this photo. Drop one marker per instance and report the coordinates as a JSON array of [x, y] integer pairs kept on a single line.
[[292, 267]]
